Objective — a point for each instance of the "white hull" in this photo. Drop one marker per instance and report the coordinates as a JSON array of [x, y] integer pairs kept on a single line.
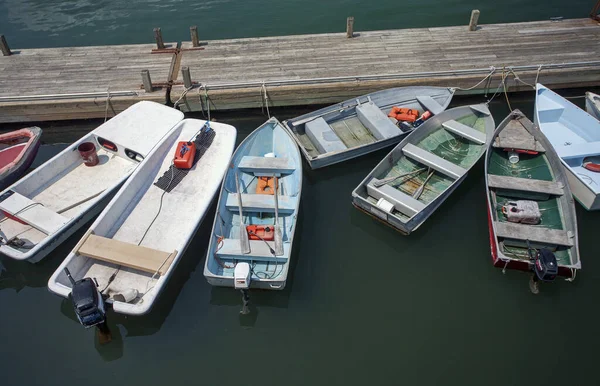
[[73, 193], [133, 218]]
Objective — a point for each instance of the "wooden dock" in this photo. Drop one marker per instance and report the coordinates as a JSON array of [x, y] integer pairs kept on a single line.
[[72, 83]]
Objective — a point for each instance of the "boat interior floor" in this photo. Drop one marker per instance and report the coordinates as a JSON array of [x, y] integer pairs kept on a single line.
[[75, 190]]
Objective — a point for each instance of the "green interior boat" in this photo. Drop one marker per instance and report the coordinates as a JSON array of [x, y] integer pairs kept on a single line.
[[522, 167]]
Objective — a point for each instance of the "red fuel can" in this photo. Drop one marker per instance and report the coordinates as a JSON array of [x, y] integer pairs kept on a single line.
[[184, 155]]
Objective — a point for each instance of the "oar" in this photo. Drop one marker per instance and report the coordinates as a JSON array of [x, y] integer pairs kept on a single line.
[[244, 242], [419, 191], [390, 179], [278, 235]]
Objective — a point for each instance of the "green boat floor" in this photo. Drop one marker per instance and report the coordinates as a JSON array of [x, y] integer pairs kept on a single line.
[[531, 167], [443, 144]]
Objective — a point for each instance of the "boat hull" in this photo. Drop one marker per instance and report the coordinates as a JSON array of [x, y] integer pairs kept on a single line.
[[385, 99], [592, 104], [12, 174]]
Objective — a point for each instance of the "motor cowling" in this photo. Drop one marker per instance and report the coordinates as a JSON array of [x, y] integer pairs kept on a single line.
[[87, 302], [545, 265]]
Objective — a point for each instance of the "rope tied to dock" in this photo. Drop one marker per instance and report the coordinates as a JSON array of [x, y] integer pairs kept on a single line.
[[183, 94], [488, 76], [207, 101], [108, 96], [266, 98]]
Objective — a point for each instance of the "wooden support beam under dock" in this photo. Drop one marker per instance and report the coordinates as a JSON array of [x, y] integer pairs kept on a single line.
[[328, 68], [74, 83]]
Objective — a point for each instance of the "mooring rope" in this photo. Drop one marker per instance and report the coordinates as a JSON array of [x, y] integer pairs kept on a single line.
[[266, 99], [183, 94], [108, 96], [488, 76], [207, 101]]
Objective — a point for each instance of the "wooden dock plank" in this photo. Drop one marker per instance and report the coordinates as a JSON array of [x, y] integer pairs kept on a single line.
[[71, 70], [439, 49]]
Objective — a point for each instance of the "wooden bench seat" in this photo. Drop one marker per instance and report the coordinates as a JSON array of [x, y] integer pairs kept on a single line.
[[31, 212], [433, 161], [323, 136], [403, 203], [266, 166], [533, 233], [525, 185], [261, 203], [125, 254], [377, 122], [465, 131], [259, 251], [430, 104]]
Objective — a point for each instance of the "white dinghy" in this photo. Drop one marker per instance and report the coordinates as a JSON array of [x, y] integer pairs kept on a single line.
[[44, 208], [136, 242]]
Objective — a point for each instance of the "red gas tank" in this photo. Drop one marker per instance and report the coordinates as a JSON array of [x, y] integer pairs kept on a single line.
[[184, 155]]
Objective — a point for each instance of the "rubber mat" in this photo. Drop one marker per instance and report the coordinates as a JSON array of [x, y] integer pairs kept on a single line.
[[173, 176]]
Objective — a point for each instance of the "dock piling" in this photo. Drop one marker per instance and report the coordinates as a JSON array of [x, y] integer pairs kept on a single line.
[[187, 77], [4, 46], [146, 80], [474, 20], [350, 26], [160, 44], [194, 35]]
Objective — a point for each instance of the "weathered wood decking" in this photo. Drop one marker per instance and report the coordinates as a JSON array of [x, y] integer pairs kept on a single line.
[[29, 75], [425, 56], [296, 70]]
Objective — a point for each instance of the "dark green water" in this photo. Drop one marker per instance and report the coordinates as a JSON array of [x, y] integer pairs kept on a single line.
[[363, 305]]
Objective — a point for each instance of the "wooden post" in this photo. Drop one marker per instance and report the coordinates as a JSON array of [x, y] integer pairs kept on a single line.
[[160, 44], [146, 80], [4, 46], [594, 14], [194, 35], [350, 26], [474, 20], [187, 78]]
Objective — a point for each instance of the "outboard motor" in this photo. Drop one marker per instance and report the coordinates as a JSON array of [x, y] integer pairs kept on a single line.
[[87, 301], [545, 265]]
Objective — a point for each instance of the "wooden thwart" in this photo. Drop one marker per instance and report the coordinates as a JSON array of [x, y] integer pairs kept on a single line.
[[525, 185], [126, 254], [533, 233]]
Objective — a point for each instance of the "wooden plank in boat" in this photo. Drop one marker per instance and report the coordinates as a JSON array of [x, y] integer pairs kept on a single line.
[[515, 136], [33, 213], [435, 162], [464, 131], [259, 251], [261, 203], [126, 254], [525, 184], [533, 233], [266, 165]]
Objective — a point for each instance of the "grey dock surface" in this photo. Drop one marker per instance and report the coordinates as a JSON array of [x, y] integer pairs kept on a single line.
[[328, 68], [72, 83]]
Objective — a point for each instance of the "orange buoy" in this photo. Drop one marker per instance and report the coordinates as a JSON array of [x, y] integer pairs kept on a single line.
[[592, 167]]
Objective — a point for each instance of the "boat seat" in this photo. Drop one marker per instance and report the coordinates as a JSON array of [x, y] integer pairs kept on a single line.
[[403, 203], [266, 166], [323, 137], [230, 249], [430, 104], [125, 254], [31, 212], [377, 122], [579, 150], [481, 109], [465, 131], [533, 233], [433, 161], [525, 185], [261, 203], [548, 110]]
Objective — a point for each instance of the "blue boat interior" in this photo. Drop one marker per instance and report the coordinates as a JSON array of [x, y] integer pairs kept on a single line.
[[269, 151]]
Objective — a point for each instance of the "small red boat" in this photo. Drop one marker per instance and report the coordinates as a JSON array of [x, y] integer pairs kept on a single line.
[[17, 151]]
